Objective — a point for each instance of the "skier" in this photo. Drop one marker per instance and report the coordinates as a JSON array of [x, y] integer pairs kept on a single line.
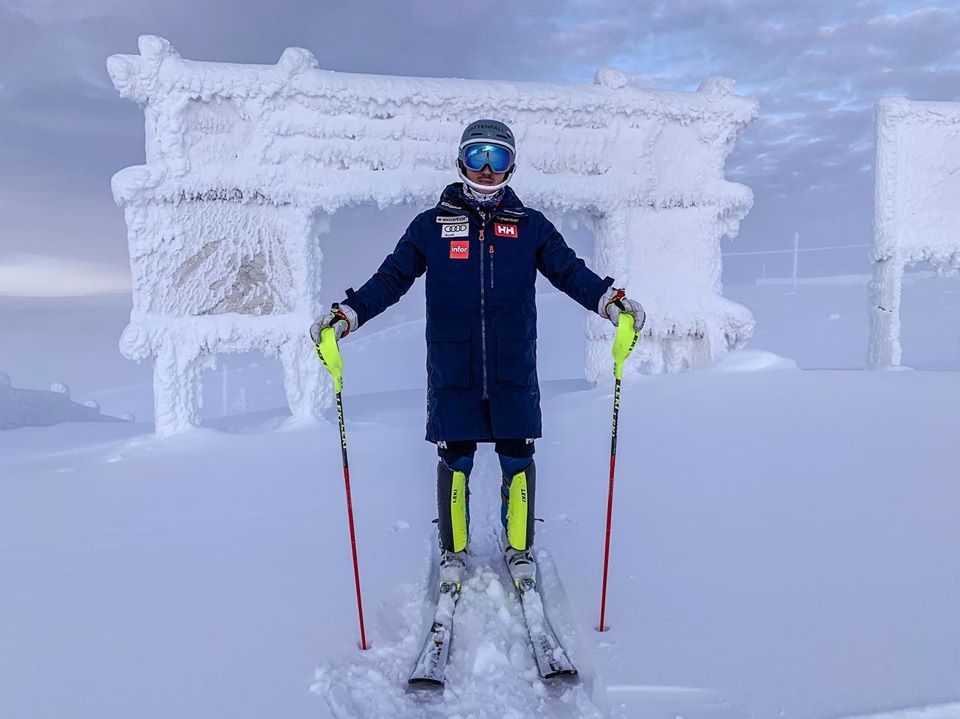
[[480, 249]]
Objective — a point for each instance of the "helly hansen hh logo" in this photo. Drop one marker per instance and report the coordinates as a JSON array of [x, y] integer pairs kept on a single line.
[[459, 249], [504, 230]]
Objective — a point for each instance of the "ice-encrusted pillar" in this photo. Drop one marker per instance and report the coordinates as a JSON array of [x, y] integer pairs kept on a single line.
[[308, 390], [610, 231], [308, 387], [177, 389], [660, 239], [689, 322], [886, 289]]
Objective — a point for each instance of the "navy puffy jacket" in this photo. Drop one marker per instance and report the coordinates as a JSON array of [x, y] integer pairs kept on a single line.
[[481, 310]]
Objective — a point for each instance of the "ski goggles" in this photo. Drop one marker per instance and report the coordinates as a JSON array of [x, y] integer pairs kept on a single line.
[[480, 154]]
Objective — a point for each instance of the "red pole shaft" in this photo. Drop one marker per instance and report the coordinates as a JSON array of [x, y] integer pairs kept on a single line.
[[353, 535], [606, 547]]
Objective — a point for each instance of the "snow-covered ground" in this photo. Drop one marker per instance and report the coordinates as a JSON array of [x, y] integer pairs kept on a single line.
[[785, 541]]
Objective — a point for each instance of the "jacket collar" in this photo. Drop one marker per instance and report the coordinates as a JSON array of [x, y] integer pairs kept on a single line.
[[453, 201]]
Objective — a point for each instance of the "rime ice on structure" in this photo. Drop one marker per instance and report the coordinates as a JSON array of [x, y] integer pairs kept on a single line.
[[245, 164], [917, 212]]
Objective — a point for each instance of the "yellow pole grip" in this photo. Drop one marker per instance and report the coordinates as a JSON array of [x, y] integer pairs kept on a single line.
[[329, 354], [623, 343]]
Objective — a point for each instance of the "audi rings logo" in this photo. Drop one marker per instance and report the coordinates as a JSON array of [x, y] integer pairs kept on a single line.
[[455, 230]]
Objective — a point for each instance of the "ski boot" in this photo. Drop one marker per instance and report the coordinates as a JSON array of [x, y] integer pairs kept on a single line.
[[453, 518], [522, 566], [452, 568], [517, 497]]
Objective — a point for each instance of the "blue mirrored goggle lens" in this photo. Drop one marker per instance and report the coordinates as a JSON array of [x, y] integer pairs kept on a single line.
[[475, 157]]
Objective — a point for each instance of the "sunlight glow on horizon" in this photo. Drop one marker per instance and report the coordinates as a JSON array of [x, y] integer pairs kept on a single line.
[[28, 275]]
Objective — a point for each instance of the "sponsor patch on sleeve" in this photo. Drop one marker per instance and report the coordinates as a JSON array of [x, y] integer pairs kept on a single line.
[[503, 229]]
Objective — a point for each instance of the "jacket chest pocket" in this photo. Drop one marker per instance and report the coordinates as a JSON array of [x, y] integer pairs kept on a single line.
[[449, 355]]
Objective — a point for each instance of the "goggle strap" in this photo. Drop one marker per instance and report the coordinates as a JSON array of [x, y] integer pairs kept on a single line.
[[476, 141]]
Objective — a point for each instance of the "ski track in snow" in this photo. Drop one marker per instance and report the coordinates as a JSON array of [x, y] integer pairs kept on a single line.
[[491, 670]]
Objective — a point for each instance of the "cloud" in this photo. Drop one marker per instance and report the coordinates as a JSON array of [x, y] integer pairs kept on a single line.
[[817, 68]]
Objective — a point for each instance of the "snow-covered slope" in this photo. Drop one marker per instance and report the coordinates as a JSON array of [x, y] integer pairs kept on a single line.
[[784, 542]]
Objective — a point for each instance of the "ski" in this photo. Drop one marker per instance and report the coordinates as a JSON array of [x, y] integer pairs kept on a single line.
[[552, 659], [433, 658]]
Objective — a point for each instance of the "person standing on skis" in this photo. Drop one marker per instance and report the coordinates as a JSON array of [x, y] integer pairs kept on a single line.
[[481, 249]]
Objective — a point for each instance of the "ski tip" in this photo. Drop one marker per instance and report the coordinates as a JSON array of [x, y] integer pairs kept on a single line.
[[425, 682], [561, 673]]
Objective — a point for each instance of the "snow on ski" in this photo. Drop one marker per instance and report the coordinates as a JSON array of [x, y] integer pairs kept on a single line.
[[487, 669], [552, 659], [433, 657]]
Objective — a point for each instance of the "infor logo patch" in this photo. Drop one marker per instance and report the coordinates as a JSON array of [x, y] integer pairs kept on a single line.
[[459, 249], [504, 230]]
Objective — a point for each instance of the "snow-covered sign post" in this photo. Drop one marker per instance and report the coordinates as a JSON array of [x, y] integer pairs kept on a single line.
[[245, 164], [917, 216]]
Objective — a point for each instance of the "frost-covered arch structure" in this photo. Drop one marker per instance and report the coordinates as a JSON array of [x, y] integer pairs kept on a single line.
[[245, 164], [917, 214]]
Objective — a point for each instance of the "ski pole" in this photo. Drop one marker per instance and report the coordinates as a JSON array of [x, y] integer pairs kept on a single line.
[[329, 354], [623, 343]]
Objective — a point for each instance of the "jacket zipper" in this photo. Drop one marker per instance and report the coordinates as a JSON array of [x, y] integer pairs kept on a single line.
[[490, 252], [483, 320]]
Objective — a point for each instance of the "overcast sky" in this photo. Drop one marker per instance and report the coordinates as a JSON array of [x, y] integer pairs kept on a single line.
[[816, 66]]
